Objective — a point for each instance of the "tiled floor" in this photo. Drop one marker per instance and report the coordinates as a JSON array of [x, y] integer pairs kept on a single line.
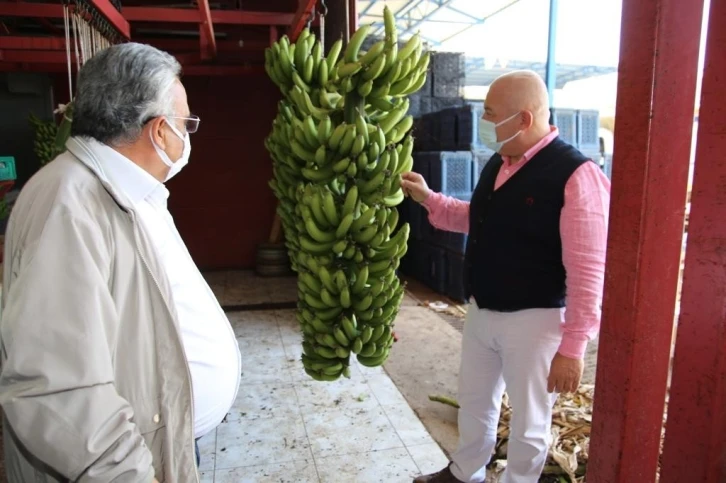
[[285, 427]]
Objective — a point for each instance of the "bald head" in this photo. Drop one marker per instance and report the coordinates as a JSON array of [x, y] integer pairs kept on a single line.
[[521, 90], [519, 104]]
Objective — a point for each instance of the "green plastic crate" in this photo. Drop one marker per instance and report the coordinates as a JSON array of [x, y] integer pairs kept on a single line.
[[7, 168]]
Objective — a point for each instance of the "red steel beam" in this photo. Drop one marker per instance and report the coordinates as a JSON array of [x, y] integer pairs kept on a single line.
[[655, 106], [695, 439], [220, 17], [32, 43], [208, 43], [51, 10], [35, 56], [304, 11], [31, 10], [189, 70], [170, 45], [110, 13]]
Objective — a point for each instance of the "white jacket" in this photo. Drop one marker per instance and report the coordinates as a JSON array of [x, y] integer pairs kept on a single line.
[[95, 386]]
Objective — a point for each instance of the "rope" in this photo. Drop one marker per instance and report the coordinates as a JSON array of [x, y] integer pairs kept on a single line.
[[67, 26]]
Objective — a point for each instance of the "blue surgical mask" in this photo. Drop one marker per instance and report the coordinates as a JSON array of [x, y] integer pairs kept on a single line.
[[488, 133]]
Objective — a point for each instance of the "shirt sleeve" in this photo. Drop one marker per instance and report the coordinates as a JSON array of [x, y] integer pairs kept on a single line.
[[447, 213], [583, 228]]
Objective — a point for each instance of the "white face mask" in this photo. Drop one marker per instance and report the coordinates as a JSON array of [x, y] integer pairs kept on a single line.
[[488, 133], [174, 166]]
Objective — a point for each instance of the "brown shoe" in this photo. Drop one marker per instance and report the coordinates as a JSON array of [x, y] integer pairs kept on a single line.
[[443, 476]]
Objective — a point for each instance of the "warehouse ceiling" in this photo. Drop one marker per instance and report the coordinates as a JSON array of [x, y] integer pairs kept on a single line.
[[231, 42], [446, 25]]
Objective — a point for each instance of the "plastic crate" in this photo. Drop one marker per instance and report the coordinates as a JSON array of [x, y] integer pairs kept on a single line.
[[455, 277], [566, 122], [433, 262], [423, 133], [7, 168], [588, 130], [417, 217], [448, 172], [481, 158], [467, 128], [608, 165], [409, 260]]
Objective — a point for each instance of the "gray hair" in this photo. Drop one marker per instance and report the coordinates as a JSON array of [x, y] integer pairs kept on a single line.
[[120, 89]]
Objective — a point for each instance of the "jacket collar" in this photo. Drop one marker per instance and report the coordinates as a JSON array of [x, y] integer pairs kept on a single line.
[[122, 178]]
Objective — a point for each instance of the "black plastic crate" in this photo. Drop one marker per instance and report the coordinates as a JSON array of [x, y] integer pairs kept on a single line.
[[433, 262], [447, 172], [409, 262], [416, 216], [455, 277], [467, 127], [423, 132], [481, 158]]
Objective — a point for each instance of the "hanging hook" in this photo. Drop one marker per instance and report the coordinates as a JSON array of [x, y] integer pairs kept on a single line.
[[310, 19], [324, 8]]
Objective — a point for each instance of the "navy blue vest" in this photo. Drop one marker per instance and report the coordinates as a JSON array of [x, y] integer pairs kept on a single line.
[[514, 251]]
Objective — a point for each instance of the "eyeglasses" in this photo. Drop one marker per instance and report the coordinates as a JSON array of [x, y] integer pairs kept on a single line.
[[191, 123]]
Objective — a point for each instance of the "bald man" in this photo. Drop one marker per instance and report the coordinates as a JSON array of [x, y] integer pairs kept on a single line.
[[534, 270]]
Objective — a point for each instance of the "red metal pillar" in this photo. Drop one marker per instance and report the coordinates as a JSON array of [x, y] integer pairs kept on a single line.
[[695, 441], [654, 113], [352, 16]]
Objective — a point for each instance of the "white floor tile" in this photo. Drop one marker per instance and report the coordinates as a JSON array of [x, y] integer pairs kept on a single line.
[[408, 426], [385, 390], [290, 472], [344, 393], [386, 466], [206, 476], [256, 401], [339, 432], [261, 442], [368, 371], [207, 451], [289, 326], [428, 457], [253, 323], [263, 369], [269, 344]]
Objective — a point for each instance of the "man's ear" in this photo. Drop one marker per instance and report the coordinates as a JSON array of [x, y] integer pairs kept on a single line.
[[158, 132], [526, 120]]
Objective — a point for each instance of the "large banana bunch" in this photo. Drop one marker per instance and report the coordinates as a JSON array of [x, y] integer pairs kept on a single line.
[[339, 144]]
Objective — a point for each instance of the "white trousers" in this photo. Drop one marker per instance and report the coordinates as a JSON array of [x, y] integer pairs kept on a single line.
[[513, 350]]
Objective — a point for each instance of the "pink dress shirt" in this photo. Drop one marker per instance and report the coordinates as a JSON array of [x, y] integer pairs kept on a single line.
[[583, 229]]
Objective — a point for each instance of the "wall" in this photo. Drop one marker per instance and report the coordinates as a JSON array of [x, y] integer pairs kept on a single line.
[[221, 201]]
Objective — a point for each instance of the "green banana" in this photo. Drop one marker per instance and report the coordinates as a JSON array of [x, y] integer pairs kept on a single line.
[[355, 43]]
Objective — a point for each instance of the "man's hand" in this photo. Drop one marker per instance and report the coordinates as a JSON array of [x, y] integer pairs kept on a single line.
[[565, 374], [415, 186]]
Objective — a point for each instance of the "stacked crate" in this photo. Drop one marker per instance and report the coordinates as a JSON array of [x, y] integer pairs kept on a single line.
[[433, 252]]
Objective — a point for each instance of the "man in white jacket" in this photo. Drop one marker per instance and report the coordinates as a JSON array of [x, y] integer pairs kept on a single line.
[[116, 355]]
